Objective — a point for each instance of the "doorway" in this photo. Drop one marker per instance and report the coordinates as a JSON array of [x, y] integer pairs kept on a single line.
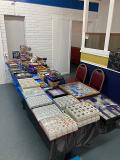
[[15, 33], [61, 27], [76, 38]]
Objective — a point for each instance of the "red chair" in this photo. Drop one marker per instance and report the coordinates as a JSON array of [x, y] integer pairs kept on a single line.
[[97, 79], [80, 74]]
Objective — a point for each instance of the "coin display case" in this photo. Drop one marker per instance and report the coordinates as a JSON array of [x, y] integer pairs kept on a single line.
[[58, 126], [83, 113], [65, 101], [107, 108], [46, 112], [79, 90], [30, 92], [28, 83], [38, 101], [56, 92]]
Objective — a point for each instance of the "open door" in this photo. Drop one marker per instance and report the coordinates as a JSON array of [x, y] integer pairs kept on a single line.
[[61, 41], [76, 38], [14, 26]]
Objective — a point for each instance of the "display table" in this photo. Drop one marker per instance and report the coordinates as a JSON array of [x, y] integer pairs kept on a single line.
[[60, 147], [64, 142]]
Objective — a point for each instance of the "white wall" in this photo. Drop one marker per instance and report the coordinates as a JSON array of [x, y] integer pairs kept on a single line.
[[38, 25], [116, 18], [2, 65], [62, 45], [101, 22]]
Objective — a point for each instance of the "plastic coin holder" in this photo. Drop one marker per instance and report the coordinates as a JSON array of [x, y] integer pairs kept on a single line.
[[104, 116], [100, 99], [58, 126], [110, 114], [38, 101], [33, 92], [114, 111], [28, 83], [104, 112], [65, 101], [46, 112], [108, 109], [83, 113]]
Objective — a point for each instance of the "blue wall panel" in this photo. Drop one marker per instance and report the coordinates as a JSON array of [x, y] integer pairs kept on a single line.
[[73, 4], [111, 87]]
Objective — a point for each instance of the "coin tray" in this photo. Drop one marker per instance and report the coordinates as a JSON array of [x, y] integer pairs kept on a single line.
[[14, 70], [78, 89], [38, 101], [58, 126], [65, 101], [23, 75], [28, 83], [108, 109], [46, 112], [30, 92], [83, 113]]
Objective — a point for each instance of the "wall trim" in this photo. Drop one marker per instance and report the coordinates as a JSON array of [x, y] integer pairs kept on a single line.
[[97, 65], [93, 6], [96, 52], [103, 61]]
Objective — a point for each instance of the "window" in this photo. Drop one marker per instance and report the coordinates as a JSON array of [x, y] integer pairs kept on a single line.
[[95, 37]]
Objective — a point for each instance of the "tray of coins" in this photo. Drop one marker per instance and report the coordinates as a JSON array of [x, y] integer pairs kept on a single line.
[[28, 83], [108, 109], [23, 75], [30, 92], [79, 90], [58, 126], [65, 101], [38, 101], [46, 112], [83, 113], [18, 72], [15, 70]]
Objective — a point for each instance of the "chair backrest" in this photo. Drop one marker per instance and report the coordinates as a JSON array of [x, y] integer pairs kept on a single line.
[[81, 73], [97, 79]]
